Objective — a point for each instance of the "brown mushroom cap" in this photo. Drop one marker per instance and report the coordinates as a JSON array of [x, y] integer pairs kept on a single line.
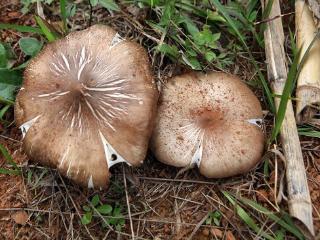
[[209, 120], [87, 102]]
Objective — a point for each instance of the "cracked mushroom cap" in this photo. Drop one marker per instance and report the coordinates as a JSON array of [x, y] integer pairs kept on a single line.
[[209, 120], [87, 102]]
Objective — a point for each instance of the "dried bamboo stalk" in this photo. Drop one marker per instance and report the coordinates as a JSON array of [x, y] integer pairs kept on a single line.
[[297, 187], [308, 89]]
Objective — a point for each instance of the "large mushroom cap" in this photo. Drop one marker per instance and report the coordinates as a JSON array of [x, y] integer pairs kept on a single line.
[[209, 120], [87, 102]]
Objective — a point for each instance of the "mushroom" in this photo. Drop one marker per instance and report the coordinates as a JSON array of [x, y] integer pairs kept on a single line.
[[87, 102], [209, 120]]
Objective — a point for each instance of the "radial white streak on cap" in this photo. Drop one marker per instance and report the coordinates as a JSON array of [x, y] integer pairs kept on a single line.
[[48, 94], [90, 182], [63, 93], [27, 125], [81, 63], [101, 89], [64, 157], [116, 40], [109, 151], [66, 62], [256, 121]]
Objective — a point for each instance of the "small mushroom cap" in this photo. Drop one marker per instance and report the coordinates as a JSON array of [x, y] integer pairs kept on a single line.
[[87, 102], [209, 120]]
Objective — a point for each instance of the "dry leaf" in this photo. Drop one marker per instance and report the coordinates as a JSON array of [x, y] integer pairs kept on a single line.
[[216, 232], [230, 236], [262, 195]]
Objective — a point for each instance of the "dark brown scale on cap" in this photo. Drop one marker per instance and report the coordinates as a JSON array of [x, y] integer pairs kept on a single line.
[[213, 125], [87, 102]]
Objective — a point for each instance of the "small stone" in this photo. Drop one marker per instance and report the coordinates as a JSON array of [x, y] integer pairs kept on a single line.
[[20, 217]]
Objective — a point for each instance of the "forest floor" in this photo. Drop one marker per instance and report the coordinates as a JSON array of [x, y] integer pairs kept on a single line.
[[40, 204]]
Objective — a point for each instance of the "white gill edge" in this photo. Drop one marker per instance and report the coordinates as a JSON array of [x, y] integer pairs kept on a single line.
[[116, 40], [109, 151], [90, 182], [27, 125], [256, 121], [194, 135], [197, 156], [83, 61]]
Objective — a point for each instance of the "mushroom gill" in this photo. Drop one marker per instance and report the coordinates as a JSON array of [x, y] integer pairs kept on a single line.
[[87, 102]]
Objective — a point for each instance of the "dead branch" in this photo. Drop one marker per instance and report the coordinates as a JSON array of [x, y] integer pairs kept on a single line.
[[298, 193], [308, 89]]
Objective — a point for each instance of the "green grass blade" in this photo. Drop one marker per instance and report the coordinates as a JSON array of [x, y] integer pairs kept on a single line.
[[246, 217], [286, 94], [6, 101], [9, 160], [290, 227], [293, 43], [63, 12], [45, 30], [314, 134], [266, 168], [20, 28], [4, 110], [265, 15], [9, 171], [232, 24], [309, 132], [252, 5], [189, 7], [267, 10]]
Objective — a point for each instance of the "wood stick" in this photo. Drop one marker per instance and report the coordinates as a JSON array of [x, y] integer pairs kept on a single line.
[[299, 201], [308, 89]]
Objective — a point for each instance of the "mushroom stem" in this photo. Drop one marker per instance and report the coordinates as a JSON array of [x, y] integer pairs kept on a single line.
[[299, 202], [308, 89]]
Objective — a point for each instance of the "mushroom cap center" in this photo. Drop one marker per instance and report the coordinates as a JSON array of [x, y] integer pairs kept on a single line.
[[77, 88], [207, 117]]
